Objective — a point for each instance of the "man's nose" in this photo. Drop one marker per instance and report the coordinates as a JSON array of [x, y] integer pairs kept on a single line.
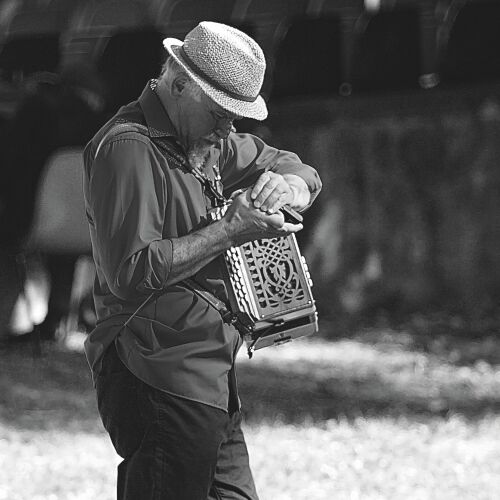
[[224, 128]]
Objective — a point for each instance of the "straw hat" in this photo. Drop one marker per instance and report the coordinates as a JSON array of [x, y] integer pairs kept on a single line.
[[226, 63]]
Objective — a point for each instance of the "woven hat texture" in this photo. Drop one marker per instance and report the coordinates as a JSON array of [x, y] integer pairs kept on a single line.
[[226, 63]]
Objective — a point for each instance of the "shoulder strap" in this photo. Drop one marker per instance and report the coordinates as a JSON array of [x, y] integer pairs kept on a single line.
[[121, 126], [169, 149], [220, 306]]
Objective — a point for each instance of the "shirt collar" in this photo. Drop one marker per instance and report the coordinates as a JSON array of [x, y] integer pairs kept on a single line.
[[157, 120]]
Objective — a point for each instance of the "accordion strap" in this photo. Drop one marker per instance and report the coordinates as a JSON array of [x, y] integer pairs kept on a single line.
[[219, 305], [226, 314]]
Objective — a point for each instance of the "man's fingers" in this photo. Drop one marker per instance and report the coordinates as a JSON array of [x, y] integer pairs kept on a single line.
[[272, 195], [276, 220], [267, 190], [268, 195], [261, 182], [292, 228], [236, 193], [283, 228], [278, 203]]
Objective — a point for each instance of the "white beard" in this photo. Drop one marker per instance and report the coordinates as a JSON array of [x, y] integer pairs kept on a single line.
[[199, 152], [198, 157]]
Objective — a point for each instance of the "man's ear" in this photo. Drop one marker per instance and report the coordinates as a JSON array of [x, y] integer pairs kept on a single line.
[[179, 85]]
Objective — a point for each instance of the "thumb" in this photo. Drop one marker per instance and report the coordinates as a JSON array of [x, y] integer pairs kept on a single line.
[[292, 228], [236, 193]]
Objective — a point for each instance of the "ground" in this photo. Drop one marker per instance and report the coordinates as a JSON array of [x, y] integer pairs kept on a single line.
[[384, 414]]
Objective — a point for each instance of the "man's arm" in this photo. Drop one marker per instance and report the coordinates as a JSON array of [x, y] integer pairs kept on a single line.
[[242, 222], [128, 197], [247, 161]]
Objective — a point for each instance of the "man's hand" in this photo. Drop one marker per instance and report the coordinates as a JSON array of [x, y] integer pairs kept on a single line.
[[244, 222], [271, 192]]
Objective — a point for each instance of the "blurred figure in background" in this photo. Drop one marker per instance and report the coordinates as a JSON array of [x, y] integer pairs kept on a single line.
[[56, 110]]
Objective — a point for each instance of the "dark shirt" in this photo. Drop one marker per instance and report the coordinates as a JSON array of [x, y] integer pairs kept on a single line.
[[137, 201]]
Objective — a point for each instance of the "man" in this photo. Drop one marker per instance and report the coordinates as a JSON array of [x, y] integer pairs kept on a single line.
[[162, 357]]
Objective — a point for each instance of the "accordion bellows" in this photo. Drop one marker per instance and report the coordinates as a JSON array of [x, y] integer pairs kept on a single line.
[[270, 291]]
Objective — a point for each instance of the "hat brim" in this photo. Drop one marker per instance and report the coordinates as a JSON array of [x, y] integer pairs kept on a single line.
[[256, 109]]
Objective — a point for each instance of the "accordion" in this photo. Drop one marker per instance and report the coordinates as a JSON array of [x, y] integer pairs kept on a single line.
[[269, 289]]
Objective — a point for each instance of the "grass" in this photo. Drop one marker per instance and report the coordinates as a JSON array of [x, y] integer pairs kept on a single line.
[[382, 415]]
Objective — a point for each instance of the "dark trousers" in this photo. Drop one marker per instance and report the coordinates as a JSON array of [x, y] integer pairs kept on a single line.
[[173, 448]]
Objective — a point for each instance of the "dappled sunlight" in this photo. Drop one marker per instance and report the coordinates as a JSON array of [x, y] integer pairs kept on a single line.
[[55, 465], [308, 379], [314, 379], [50, 392], [372, 417], [377, 458]]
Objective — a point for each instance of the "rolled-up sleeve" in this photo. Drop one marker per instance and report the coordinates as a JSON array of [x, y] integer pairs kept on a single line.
[[127, 197], [245, 157]]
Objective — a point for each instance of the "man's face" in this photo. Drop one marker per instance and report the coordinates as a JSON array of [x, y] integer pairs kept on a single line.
[[208, 124]]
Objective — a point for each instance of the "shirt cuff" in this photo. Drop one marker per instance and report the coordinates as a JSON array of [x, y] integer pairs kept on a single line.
[[157, 266]]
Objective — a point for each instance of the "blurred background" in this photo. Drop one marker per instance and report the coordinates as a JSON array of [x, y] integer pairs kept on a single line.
[[397, 104]]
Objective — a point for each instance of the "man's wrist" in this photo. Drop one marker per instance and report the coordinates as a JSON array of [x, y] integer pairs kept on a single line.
[[227, 232], [300, 194]]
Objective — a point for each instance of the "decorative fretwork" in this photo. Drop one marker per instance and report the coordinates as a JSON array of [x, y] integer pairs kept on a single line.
[[267, 277], [270, 290], [273, 272]]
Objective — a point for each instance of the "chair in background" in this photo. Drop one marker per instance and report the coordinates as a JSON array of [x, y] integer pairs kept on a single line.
[[60, 228], [60, 224]]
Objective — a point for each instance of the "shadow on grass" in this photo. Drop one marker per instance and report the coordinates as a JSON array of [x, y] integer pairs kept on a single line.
[[55, 391], [271, 394], [461, 341]]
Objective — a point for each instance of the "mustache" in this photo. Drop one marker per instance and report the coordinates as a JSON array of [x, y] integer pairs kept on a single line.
[[221, 133], [207, 142], [213, 137]]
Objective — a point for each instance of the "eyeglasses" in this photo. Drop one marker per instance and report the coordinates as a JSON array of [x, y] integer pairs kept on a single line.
[[221, 115]]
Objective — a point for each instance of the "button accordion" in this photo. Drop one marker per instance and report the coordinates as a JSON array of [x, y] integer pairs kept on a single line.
[[269, 289]]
